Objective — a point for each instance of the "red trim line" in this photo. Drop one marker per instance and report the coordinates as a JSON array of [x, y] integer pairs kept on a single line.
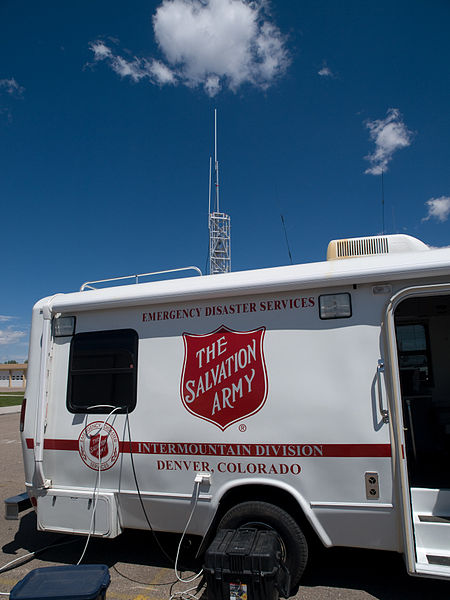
[[236, 450], [259, 450], [61, 445]]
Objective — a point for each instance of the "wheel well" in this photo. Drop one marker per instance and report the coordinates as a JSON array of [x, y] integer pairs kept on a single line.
[[263, 493]]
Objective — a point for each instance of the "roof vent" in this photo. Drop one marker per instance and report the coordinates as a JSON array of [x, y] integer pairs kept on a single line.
[[373, 246]]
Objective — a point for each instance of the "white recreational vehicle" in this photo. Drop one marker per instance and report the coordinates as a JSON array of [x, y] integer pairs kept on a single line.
[[313, 399]]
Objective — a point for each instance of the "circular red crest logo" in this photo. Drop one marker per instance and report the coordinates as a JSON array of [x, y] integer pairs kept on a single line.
[[98, 446]]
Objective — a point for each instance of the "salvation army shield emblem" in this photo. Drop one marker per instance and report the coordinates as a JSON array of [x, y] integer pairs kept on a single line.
[[98, 447], [224, 377]]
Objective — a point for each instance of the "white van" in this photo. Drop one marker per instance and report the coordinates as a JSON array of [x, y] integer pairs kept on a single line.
[[313, 399]]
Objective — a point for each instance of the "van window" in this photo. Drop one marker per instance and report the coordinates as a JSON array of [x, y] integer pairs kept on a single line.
[[414, 358], [103, 371]]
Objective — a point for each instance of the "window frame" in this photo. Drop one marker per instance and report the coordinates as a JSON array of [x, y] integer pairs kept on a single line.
[[132, 345], [349, 316]]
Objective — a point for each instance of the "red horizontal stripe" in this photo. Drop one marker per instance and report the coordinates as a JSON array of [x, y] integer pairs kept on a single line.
[[358, 450], [236, 450], [50, 444], [259, 450], [61, 445]]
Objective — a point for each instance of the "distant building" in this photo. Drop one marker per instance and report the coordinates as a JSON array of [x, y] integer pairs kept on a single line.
[[13, 377]]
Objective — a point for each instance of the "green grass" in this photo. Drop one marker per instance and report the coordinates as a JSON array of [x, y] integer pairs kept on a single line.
[[10, 399]]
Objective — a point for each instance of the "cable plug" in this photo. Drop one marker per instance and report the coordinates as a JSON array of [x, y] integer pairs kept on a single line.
[[202, 477]]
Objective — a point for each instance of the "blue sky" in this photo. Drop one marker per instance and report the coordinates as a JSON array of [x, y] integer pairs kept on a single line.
[[106, 128]]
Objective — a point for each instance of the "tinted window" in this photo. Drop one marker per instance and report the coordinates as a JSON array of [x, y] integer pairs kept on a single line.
[[414, 358], [103, 371]]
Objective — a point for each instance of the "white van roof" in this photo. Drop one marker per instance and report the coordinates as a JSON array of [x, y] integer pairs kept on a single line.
[[421, 261]]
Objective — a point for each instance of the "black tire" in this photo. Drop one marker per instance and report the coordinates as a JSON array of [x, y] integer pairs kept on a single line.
[[262, 515]]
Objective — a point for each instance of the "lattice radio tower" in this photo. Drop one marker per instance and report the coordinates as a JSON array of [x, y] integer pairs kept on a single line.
[[218, 222]]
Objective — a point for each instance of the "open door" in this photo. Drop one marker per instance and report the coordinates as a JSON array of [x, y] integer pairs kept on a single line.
[[420, 322]]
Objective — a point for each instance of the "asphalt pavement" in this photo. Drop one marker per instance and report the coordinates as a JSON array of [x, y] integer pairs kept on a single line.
[[139, 570]]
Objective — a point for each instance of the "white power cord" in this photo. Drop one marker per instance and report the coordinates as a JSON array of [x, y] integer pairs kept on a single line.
[[96, 492], [95, 499], [6, 567], [186, 594], [194, 577], [182, 595]]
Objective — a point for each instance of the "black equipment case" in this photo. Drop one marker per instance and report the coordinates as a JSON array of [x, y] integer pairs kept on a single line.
[[246, 564]]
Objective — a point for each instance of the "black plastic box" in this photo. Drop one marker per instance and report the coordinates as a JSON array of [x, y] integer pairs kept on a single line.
[[245, 564], [70, 582]]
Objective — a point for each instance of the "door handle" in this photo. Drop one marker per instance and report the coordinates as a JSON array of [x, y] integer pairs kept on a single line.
[[383, 411]]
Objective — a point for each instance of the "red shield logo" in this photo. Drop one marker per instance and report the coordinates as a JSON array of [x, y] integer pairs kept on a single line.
[[99, 454], [97, 448], [224, 376]]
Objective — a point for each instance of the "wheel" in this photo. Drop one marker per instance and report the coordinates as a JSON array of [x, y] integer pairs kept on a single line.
[[262, 515]]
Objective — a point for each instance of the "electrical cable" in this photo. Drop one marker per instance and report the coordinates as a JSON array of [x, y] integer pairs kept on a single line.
[[155, 537], [96, 492], [30, 556], [194, 577], [287, 241], [175, 563], [9, 566], [21, 559], [186, 594], [142, 583]]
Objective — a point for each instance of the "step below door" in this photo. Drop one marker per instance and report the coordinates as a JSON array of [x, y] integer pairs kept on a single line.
[[431, 519]]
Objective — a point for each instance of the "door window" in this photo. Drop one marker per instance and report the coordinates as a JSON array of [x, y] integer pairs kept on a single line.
[[414, 358]]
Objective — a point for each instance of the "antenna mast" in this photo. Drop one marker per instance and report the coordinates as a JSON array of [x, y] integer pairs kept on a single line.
[[218, 223]]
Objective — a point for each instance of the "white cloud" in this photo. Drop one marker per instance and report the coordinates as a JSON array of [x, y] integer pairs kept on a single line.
[[6, 318], [11, 87], [125, 68], [208, 43], [160, 72], [389, 134], [325, 71], [212, 85], [136, 68], [100, 50], [10, 336], [438, 208]]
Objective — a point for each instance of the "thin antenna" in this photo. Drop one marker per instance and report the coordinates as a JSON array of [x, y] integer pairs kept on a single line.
[[216, 163], [218, 223], [382, 200], [287, 241], [209, 191], [215, 136]]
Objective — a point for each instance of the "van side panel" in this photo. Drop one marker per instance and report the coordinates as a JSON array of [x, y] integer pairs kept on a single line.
[[314, 428]]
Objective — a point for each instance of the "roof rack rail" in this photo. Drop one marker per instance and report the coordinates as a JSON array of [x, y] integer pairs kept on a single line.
[[89, 285]]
